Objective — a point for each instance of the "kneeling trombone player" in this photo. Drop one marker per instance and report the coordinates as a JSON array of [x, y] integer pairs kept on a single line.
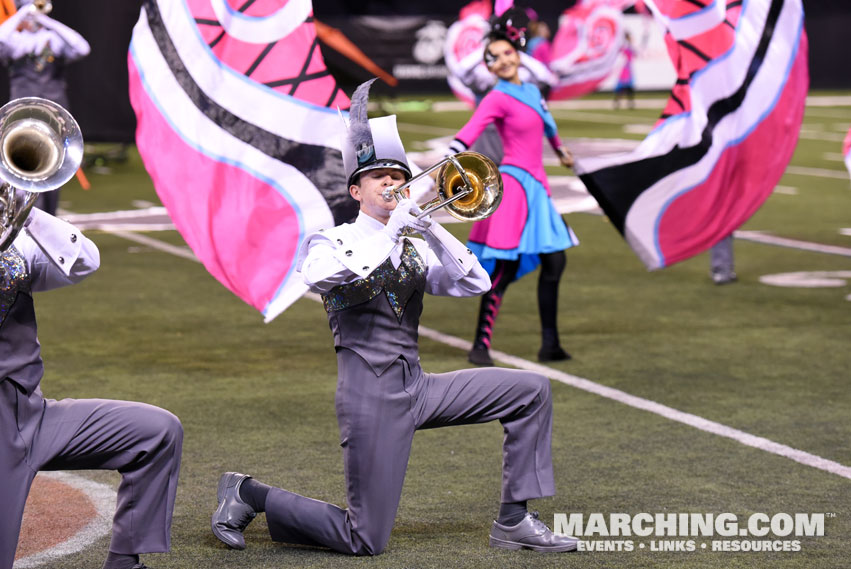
[[372, 276]]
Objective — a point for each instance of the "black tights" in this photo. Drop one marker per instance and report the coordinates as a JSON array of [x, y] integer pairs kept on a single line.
[[552, 267]]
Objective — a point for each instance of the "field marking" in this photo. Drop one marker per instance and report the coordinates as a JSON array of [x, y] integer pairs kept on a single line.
[[184, 252], [768, 239], [653, 103], [786, 190], [816, 172], [670, 413], [833, 157], [103, 498]]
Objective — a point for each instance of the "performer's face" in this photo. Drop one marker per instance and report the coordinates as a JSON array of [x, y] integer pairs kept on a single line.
[[370, 189], [506, 60]]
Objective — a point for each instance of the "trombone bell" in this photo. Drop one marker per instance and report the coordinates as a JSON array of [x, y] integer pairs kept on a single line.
[[482, 188], [468, 184]]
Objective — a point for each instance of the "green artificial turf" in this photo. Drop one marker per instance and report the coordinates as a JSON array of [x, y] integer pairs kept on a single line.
[[259, 398]]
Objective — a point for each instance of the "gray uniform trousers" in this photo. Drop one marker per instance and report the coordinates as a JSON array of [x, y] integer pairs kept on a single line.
[[140, 441], [377, 418], [721, 257]]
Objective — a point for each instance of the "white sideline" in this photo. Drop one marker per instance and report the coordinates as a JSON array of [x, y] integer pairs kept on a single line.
[[768, 239], [689, 419], [590, 386]]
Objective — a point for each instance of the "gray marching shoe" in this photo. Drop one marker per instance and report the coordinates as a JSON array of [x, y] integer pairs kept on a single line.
[[723, 277], [530, 533], [233, 515]]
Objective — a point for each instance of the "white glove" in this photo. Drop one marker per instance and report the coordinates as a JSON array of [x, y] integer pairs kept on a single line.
[[404, 216]]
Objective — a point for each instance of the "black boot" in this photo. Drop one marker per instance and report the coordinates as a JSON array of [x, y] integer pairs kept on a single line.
[[551, 350], [488, 309]]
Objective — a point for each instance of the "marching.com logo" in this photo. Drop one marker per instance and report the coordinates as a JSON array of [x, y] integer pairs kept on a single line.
[[755, 532]]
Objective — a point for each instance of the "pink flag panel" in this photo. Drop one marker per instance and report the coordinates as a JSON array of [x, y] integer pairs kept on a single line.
[[239, 136]]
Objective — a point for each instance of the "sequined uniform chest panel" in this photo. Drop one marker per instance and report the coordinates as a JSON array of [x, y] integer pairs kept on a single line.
[[13, 279], [398, 284]]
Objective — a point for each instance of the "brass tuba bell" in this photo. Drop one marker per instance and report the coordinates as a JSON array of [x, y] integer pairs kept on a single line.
[[468, 184], [41, 148]]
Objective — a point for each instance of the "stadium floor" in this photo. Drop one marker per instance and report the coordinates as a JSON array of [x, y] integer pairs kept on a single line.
[[683, 397]]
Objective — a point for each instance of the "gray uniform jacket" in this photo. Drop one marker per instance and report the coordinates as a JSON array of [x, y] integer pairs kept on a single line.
[[141, 441], [58, 255]]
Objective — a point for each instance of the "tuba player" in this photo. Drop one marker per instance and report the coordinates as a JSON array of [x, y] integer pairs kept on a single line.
[[140, 441]]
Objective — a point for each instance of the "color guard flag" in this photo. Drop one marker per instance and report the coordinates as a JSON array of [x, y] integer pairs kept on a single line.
[[462, 52], [586, 46], [726, 136], [846, 150], [238, 129]]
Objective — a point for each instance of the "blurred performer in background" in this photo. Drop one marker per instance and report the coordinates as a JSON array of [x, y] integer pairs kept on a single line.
[[539, 45], [526, 229], [140, 441], [468, 71], [626, 83], [372, 279], [721, 262], [36, 49]]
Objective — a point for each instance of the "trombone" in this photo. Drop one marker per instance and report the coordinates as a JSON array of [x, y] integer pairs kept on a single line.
[[468, 185], [41, 148]]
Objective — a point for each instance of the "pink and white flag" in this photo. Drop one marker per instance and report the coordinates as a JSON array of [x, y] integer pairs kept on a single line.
[[238, 129], [726, 135], [846, 150], [586, 47], [468, 77]]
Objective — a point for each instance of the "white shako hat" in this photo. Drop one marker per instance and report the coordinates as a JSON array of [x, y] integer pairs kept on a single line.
[[373, 143]]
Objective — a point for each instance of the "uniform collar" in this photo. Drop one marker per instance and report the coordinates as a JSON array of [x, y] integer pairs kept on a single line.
[[368, 223]]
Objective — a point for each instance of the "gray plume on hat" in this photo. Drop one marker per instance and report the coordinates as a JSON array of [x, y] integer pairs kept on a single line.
[[360, 135]]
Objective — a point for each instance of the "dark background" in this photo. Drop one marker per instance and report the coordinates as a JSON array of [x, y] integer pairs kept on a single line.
[[98, 83]]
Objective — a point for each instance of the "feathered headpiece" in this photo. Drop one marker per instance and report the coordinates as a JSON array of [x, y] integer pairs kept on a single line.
[[360, 135], [511, 25], [371, 143]]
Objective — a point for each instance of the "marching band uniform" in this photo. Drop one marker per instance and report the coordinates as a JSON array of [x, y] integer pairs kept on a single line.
[[36, 48], [140, 441], [37, 58], [372, 280]]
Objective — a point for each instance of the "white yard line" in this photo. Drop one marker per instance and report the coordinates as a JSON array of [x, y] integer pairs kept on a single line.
[[640, 102], [587, 385], [689, 419], [184, 252], [76, 218], [767, 239], [816, 172]]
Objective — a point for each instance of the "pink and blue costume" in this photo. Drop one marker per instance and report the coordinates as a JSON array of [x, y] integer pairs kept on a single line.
[[526, 223], [625, 80], [526, 230]]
